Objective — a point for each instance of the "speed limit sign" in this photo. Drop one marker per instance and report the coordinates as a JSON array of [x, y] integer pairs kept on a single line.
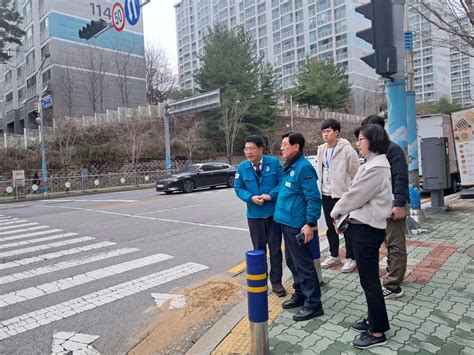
[[118, 17]]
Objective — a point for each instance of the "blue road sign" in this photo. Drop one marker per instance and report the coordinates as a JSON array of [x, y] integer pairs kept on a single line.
[[47, 102], [132, 11]]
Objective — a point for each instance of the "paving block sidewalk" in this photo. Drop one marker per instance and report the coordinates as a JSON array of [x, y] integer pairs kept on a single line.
[[435, 315]]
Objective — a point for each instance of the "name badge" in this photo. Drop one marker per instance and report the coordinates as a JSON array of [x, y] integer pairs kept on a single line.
[[288, 184]]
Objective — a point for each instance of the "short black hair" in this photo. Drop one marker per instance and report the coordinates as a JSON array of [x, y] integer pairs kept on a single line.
[[373, 119], [254, 139], [295, 138], [331, 123], [377, 137]]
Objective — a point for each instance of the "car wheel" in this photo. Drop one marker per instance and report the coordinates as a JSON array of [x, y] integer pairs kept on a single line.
[[168, 192], [188, 186], [230, 181]]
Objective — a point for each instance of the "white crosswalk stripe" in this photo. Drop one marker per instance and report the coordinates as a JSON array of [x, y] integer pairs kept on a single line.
[[18, 226], [13, 221], [65, 265], [38, 240], [27, 235], [44, 247], [24, 229], [32, 320], [55, 255]]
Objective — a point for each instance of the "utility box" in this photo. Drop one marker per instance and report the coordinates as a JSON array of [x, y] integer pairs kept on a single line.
[[435, 163]]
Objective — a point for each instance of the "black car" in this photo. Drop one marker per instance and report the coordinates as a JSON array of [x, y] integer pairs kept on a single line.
[[196, 176]]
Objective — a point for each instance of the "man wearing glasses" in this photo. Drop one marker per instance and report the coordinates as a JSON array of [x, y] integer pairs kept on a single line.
[[297, 210], [256, 183]]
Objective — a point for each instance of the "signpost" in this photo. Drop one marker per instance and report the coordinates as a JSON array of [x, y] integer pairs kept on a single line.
[[47, 101], [132, 11], [118, 17]]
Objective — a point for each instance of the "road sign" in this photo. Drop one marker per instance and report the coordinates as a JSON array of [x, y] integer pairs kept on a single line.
[[132, 11], [118, 17], [18, 178], [47, 101]]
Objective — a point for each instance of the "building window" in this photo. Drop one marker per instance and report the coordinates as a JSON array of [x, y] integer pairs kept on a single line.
[[44, 29]]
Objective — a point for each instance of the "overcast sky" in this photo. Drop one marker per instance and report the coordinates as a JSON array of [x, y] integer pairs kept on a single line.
[[160, 27]]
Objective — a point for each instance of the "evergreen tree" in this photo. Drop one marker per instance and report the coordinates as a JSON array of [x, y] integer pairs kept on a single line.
[[9, 30], [322, 83]]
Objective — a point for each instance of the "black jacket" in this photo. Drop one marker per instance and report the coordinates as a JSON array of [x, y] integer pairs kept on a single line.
[[399, 169]]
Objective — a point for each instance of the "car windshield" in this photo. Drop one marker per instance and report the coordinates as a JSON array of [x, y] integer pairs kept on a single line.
[[190, 169]]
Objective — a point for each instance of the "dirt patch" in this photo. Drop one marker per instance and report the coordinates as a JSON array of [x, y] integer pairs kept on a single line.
[[176, 330], [461, 205]]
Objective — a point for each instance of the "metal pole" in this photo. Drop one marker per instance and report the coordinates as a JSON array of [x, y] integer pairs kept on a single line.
[[257, 289], [40, 117], [291, 111], [166, 115]]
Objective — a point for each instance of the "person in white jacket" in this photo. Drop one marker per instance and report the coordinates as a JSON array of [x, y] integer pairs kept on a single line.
[[336, 166], [368, 202]]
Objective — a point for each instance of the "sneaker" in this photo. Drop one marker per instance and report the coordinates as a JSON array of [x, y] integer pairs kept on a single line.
[[387, 293], [360, 326], [332, 260], [367, 341], [349, 265]]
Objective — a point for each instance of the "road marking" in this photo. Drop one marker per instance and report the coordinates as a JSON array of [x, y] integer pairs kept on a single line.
[[168, 209], [19, 225], [23, 230], [4, 218], [13, 221], [82, 200], [58, 254], [65, 265], [151, 218], [27, 235], [38, 240], [237, 269], [176, 301], [44, 247], [426, 199], [35, 319], [73, 343], [30, 293]]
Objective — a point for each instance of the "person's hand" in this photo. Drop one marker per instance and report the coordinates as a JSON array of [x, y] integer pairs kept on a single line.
[[266, 197], [308, 233], [335, 221], [258, 200], [398, 213]]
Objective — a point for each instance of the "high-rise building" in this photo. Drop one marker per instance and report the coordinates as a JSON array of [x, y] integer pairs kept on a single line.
[[285, 32], [82, 77]]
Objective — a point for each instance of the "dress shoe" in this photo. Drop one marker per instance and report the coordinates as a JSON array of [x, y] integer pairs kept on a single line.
[[293, 302], [279, 290], [306, 313]]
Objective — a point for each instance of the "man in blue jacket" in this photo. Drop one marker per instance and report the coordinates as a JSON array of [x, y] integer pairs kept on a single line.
[[256, 183], [298, 209]]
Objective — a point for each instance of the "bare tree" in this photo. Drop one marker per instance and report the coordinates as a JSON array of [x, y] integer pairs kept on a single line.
[[189, 128], [122, 63], [455, 17], [66, 133], [65, 83], [160, 78], [93, 74]]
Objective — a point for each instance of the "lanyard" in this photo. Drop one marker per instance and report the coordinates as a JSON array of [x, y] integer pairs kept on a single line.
[[328, 162]]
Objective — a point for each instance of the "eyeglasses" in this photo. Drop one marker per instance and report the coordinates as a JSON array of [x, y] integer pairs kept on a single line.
[[250, 149], [284, 145], [361, 139]]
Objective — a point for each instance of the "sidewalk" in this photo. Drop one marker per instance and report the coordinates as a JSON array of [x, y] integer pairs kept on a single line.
[[435, 315]]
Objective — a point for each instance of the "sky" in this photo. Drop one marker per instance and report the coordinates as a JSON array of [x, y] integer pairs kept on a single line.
[[160, 27]]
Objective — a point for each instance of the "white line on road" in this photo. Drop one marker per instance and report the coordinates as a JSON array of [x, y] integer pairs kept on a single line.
[[58, 254], [38, 240], [86, 200], [18, 226], [35, 319], [150, 218], [30, 293], [65, 265], [24, 229], [168, 209], [27, 235], [13, 221], [5, 217], [44, 247]]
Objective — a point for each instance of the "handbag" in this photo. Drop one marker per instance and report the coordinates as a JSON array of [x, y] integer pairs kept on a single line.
[[342, 223]]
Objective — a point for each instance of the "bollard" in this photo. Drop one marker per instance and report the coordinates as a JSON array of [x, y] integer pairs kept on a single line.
[[316, 253], [257, 301]]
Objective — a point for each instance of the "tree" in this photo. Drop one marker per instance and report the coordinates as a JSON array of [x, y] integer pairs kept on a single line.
[[229, 64], [66, 134], [9, 30], [93, 75], [122, 61], [65, 84], [322, 83], [160, 78], [454, 17], [188, 130], [442, 106]]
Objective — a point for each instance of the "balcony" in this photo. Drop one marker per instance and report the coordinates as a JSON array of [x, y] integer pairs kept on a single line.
[[31, 92]]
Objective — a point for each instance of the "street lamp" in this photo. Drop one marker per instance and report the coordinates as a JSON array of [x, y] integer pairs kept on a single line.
[[291, 106], [41, 124]]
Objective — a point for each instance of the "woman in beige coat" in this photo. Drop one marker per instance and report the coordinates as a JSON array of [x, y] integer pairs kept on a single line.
[[368, 203]]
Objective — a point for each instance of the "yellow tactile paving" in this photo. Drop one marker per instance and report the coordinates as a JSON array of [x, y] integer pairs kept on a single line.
[[238, 340]]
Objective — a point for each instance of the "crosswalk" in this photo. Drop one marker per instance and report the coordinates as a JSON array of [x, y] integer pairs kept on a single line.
[[29, 250]]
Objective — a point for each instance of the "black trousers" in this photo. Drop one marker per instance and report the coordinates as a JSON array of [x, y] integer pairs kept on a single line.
[[264, 231], [367, 241], [301, 264], [333, 237]]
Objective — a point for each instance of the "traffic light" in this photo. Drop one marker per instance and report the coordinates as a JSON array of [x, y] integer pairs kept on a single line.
[[380, 35], [92, 28]]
